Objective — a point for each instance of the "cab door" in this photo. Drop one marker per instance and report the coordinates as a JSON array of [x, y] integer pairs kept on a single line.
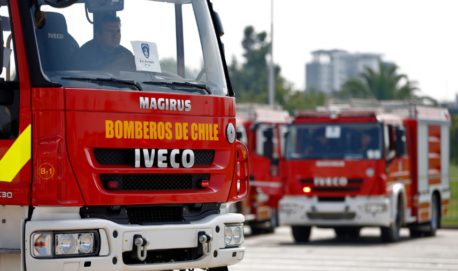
[[15, 128]]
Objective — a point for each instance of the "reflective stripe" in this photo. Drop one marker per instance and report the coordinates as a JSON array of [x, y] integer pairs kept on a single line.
[[17, 156]]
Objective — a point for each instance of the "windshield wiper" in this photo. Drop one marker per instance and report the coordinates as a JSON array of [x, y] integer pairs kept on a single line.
[[104, 81], [179, 85]]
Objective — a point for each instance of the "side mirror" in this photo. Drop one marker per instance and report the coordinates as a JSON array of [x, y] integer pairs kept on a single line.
[[268, 148], [218, 25], [400, 150], [400, 142]]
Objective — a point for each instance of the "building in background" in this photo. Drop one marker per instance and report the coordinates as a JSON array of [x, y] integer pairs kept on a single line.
[[330, 69]]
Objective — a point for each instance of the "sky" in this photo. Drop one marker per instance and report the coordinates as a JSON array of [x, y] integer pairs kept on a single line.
[[420, 36]]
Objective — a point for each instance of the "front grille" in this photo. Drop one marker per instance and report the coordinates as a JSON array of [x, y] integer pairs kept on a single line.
[[153, 182], [169, 214], [353, 186], [151, 214], [164, 256], [126, 157]]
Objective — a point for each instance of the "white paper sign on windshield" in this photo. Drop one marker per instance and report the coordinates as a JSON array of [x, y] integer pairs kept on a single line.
[[332, 132], [146, 56]]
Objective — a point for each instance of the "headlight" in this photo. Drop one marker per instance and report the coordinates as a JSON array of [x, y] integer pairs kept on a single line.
[[87, 243], [233, 235], [64, 244]]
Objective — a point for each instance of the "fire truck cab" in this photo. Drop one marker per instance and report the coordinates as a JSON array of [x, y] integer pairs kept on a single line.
[[351, 169], [262, 129], [117, 137]]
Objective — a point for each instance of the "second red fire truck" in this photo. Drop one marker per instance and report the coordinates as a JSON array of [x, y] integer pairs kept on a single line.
[[350, 169], [262, 129]]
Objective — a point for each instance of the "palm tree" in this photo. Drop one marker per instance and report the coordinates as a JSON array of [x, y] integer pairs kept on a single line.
[[386, 84]]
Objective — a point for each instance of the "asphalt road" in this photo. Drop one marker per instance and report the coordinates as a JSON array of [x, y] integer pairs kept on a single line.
[[279, 252]]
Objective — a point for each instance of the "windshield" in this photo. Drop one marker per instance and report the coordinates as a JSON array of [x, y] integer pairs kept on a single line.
[[334, 141], [144, 45]]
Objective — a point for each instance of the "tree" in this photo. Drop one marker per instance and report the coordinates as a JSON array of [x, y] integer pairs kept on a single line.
[[299, 100], [386, 84], [250, 78]]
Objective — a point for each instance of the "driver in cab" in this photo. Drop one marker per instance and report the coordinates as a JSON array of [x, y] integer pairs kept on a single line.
[[104, 52]]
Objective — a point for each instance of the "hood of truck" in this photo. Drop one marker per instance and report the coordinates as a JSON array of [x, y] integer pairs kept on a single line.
[[139, 148], [335, 178]]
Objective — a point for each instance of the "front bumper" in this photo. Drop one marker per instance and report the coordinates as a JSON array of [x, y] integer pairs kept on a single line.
[[353, 211], [117, 241]]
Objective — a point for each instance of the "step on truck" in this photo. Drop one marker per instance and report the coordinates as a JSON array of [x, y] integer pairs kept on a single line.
[[121, 157], [351, 169], [262, 129]]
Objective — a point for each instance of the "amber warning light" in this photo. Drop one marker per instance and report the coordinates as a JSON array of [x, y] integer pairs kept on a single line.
[[307, 189]]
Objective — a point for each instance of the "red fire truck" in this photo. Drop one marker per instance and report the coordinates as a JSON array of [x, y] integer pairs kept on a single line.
[[118, 147], [262, 129], [347, 170]]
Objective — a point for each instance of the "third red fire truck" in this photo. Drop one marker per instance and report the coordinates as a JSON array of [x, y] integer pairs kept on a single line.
[[350, 169]]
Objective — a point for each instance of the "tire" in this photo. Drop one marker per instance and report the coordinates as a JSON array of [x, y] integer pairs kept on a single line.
[[256, 229], [391, 233], [267, 226], [301, 234], [415, 232], [347, 233], [434, 223]]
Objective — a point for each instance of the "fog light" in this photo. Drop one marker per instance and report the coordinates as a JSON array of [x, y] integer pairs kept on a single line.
[[233, 235], [41, 244]]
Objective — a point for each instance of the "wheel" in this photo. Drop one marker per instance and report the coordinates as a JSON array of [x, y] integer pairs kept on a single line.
[[415, 232], [256, 229], [301, 234], [347, 233], [266, 226], [434, 223], [391, 233]]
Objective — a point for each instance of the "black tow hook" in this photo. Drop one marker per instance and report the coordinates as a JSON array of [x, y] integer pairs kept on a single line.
[[140, 247]]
